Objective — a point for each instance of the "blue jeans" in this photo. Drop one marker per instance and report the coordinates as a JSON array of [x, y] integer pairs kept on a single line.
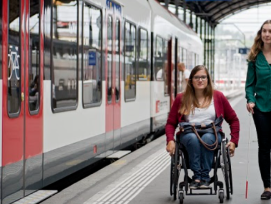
[[200, 158]]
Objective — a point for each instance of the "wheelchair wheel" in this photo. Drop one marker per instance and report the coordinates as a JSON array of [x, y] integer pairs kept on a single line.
[[230, 172], [171, 175], [176, 172], [225, 169]]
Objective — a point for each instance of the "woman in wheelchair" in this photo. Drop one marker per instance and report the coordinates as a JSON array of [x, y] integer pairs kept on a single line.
[[200, 103]]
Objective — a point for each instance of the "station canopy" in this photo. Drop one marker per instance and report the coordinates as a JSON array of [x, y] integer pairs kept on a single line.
[[215, 10]]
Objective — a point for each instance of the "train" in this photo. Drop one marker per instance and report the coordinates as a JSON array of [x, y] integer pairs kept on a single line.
[[81, 80]]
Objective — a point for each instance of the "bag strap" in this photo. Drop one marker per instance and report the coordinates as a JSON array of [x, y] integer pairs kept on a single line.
[[207, 146]]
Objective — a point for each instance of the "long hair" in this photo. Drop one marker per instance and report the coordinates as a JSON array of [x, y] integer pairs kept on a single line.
[[189, 100], [258, 43]]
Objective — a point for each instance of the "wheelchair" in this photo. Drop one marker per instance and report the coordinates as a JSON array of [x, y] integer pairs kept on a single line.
[[180, 161]]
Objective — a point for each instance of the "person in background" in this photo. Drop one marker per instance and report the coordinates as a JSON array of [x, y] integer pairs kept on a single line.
[[258, 95], [184, 76], [200, 103]]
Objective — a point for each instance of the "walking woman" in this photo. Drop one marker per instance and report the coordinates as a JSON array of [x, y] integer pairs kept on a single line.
[[258, 95]]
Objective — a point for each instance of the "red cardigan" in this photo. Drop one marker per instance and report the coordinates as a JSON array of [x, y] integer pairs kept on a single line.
[[222, 107]]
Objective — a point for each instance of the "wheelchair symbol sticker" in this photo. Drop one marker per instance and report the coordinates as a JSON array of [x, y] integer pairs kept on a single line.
[[13, 62]]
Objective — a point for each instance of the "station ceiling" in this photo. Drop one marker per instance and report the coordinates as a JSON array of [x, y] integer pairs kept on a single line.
[[214, 11]]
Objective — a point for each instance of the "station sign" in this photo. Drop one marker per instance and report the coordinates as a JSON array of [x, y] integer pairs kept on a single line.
[[243, 51], [92, 57]]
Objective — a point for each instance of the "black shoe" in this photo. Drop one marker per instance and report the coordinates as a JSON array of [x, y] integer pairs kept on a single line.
[[266, 195], [194, 185], [204, 184]]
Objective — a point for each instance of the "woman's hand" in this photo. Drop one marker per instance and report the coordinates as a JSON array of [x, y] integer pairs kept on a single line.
[[250, 107], [231, 146], [171, 147]]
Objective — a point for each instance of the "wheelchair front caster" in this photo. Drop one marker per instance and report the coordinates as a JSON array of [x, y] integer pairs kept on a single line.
[[221, 196], [181, 196]]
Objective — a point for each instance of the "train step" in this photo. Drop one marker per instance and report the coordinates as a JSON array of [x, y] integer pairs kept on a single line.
[[118, 154], [36, 197]]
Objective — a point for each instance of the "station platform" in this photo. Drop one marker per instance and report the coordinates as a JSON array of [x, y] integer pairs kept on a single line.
[[144, 175]]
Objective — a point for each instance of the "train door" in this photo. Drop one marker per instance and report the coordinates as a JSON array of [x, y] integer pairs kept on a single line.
[[170, 59], [22, 117], [113, 91]]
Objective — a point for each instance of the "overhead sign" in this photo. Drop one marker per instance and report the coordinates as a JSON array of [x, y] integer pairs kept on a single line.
[[243, 51], [92, 57]]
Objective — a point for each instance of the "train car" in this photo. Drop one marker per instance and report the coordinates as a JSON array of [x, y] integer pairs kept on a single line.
[[172, 42], [79, 82]]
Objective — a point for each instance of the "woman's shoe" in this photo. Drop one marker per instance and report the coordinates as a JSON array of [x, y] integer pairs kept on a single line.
[[266, 195], [194, 185], [204, 184]]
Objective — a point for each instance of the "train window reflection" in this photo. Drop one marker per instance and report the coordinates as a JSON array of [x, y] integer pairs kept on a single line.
[[14, 68], [34, 65], [130, 61], [92, 43], [64, 54], [143, 66]]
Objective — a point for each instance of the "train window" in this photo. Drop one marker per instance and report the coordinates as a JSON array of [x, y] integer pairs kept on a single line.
[[196, 59], [143, 66], [117, 78], [14, 68], [160, 63], [92, 66], [130, 61], [185, 57], [109, 57], [34, 65], [189, 60], [166, 68], [159, 59], [64, 55], [0, 41]]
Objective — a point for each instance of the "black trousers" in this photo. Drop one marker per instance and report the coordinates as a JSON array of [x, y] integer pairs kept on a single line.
[[262, 122]]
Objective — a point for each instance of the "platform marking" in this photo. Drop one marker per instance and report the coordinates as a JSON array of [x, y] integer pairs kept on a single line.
[[132, 183]]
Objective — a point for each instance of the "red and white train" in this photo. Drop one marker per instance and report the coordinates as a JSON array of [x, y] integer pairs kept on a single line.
[[80, 80]]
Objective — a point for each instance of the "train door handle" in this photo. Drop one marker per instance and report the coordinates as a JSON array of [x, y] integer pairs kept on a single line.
[[22, 96]]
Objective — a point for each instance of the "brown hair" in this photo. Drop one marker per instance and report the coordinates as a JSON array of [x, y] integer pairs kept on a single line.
[[258, 43], [189, 100]]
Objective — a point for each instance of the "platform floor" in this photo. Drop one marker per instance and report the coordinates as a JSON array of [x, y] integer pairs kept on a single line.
[[143, 176]]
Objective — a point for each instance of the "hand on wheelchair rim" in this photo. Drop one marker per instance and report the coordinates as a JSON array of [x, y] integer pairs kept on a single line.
[[171, 147], [231, 146]]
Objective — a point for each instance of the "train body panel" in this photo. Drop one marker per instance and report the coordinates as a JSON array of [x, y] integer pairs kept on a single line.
[[65, 128], [141, 105]]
